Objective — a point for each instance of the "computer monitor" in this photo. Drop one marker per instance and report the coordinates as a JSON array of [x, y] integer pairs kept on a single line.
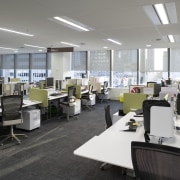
[[58, 85], [49, 82], [66, 78]]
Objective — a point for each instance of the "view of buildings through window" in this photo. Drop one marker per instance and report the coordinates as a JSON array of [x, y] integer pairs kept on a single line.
[[118, 67]]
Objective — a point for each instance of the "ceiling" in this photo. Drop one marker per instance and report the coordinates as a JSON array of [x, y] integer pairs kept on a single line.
[[122, 20]]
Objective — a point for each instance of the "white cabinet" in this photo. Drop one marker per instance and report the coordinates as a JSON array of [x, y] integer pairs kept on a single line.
[[31, 119]]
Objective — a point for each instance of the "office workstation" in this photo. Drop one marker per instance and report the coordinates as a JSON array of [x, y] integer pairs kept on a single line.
[[123, 50]]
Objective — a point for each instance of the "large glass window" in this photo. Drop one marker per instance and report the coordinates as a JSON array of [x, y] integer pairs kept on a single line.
[[78, 64], [124, 68], [100, 65], [22, 67], [175, 64], [7, 65], [38, 67], [153, 65]]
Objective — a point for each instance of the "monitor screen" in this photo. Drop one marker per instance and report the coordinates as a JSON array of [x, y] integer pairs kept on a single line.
[[49, 82], [66, 78], [58, 85]]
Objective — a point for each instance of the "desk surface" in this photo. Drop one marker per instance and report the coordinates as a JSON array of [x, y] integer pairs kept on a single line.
[[113, 146], [27, 102]]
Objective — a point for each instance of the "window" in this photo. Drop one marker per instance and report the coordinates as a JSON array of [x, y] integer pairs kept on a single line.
[[38, 67], [175, 64], [22, 67], [153, 65], [100, 65], [124, 68], [7, 65], [78, 64]]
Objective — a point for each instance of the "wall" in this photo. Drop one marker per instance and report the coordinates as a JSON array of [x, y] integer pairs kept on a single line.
[[61, 65]]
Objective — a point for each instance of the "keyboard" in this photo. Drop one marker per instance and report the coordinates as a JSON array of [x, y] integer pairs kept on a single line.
[[55, 94]]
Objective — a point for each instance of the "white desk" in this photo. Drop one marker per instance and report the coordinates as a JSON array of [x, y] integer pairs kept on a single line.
[[27, 103], [113, 146]]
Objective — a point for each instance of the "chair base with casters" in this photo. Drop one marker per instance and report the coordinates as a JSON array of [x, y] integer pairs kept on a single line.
[[71, 110], [12, 136]]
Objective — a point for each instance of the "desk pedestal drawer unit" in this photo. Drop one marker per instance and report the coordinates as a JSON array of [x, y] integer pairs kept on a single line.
[[31, 119]]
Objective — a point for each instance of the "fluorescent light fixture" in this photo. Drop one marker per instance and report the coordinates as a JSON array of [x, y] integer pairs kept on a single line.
[[171, 38], [105, 47], [116, 42], [161, 13], [16, 32], [71, 23], [34, 46], [8, 48], [70, 44]]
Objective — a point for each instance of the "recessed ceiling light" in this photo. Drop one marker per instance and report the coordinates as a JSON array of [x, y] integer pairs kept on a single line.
[[148, 45], [114, 41], [105, 47], [34, 46], [16, 32], [8, 48], [72, 23], [70, 44]]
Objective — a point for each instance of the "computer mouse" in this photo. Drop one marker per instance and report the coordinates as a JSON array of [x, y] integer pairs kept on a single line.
[[132, 120]]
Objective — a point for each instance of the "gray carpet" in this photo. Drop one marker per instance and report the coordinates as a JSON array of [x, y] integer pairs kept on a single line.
[[47, 153]]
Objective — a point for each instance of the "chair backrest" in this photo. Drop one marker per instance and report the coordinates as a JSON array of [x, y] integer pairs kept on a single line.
[[155, 161], [11, 108], [108, 116], [71, 94]]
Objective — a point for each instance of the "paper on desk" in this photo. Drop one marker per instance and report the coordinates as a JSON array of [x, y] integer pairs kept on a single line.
[[123, 127]]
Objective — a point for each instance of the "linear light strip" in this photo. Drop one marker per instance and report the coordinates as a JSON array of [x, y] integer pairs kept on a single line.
[[161, 13], [16, 32], [116, 42], [8, 48], [70, 44], [171, 38], [34, 46], [71, 23]]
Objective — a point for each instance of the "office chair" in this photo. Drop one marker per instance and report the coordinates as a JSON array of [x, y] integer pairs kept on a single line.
[[88, 98], [12, 115], [108, 116], [109, 124], [71, 101], [104, 92], [155, 161]]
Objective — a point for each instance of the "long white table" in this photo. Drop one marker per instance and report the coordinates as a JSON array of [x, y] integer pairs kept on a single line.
[[113, 146]]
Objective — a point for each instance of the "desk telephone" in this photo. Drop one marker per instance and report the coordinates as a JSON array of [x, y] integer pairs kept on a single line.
[[132, 125]]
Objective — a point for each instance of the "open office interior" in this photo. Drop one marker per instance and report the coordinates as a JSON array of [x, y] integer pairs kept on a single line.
[[119, 47]]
